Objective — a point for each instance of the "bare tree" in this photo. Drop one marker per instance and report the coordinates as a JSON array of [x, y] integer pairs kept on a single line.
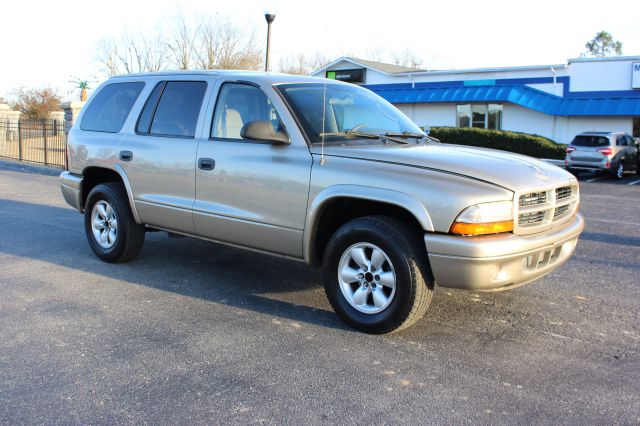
[[212, 43], [133, 53], [406, 58], [301, 64], [402, 58], [222, 45], [182, 43]]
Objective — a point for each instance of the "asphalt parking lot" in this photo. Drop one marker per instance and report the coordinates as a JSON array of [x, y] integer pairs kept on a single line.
[[194, 332]]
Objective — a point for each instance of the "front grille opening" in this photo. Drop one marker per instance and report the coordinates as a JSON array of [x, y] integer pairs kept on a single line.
[[531, 219], [540, 260], [560, 211], [563, 192], [533, 199]]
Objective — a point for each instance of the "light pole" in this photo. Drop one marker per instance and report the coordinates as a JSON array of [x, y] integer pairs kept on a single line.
[[269, 17]]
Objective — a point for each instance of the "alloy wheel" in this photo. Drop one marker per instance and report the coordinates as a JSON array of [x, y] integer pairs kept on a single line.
[[104, 224], [367, 278]]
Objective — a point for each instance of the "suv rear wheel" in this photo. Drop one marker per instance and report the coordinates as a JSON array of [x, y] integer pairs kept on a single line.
[[376, 275], [108, 222], [618, 171]]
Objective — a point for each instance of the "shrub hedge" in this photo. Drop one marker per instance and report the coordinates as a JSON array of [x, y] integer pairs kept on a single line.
[[521, 143]]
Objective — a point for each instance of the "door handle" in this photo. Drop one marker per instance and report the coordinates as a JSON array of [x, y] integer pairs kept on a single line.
[[206, 163], [126, 155]]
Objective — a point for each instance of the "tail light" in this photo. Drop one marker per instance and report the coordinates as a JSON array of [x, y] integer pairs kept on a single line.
[[605, 151], [570, 149]]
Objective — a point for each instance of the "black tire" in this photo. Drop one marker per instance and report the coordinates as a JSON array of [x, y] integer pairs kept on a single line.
[[130, 235], [616, 170], [414, 283]]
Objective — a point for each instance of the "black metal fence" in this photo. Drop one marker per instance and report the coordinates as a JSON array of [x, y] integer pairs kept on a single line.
[[34, 141]]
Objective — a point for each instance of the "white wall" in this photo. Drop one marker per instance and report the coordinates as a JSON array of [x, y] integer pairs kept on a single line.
[[520, 119], [596, 76], [554, 89], [430, 115], [575, 125]]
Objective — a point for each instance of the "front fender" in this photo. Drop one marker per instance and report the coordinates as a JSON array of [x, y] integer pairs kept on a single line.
[[317, 205]]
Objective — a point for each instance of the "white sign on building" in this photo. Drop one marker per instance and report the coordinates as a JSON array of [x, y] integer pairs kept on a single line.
[[635, 75]]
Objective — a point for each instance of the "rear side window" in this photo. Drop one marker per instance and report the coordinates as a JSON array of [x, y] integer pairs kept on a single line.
[[591, 141], [110, 108], [172, 109]]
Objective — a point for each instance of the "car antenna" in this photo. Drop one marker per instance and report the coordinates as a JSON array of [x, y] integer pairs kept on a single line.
[[324, 98], [324, 113]]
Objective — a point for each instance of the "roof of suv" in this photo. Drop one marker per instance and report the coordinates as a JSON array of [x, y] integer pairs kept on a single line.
[[600, 133], [256, 76]]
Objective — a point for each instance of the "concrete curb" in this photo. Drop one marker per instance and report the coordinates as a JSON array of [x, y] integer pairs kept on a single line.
[[20, 166]]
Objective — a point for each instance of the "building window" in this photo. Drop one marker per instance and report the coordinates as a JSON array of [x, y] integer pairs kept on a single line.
[[483, 116], [636, 127]]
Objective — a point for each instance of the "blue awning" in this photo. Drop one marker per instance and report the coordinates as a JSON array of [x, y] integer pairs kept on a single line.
[[517, 94]]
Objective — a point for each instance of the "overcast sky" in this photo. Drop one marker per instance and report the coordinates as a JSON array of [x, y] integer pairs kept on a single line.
[[45, 43]]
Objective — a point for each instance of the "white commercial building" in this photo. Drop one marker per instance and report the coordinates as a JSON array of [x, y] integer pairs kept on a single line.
[[556, 101]]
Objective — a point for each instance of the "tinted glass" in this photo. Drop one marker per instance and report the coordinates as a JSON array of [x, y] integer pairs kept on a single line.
[[463, 114], [239, 104], [144, 122], [178, 109], [621, 141], [478, 115], [110, 108], [345, 107], [591, 141]]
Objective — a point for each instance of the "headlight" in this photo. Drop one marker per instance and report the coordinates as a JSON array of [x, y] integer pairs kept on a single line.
[[485, 218]]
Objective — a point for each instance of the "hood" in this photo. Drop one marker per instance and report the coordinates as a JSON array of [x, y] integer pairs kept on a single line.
[[511, 171]]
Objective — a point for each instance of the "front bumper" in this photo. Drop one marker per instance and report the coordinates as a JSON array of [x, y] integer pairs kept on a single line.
[[71, 186], [499, 262]]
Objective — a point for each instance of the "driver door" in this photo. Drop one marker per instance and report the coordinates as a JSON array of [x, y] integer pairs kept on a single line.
[[249, 192]]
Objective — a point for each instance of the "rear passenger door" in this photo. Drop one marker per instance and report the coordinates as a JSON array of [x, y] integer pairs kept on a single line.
[[158, 154]]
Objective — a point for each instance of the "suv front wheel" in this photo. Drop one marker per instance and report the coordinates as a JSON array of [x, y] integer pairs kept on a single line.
[[108, 222], [376, 275]]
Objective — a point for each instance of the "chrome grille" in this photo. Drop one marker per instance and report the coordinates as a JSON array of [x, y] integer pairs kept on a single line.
[[541, 209], [559, 211], [563, 192], [533, 199], [530, 219]]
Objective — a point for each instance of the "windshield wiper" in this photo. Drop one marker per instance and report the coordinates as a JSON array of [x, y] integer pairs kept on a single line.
[[406, 134], [357, 133]]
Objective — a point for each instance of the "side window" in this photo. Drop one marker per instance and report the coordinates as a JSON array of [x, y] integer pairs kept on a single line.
[[144, 122], [630, 141], [172, 109], [621, 141], [239, 104], [110, 108]]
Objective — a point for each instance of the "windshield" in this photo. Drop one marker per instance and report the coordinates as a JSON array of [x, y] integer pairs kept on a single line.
[[591, 141], [350, 112]]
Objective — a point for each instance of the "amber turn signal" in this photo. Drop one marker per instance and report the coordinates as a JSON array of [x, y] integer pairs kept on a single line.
[[460, 228]]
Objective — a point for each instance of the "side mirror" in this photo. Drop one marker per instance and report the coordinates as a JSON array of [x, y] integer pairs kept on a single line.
[[264, 131]]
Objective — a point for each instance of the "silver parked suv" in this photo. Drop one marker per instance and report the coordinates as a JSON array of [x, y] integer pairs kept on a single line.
[[612, 152], [320, 171]]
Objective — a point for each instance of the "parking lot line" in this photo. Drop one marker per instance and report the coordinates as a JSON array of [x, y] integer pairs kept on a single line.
[[634, 182], [593, 179]]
